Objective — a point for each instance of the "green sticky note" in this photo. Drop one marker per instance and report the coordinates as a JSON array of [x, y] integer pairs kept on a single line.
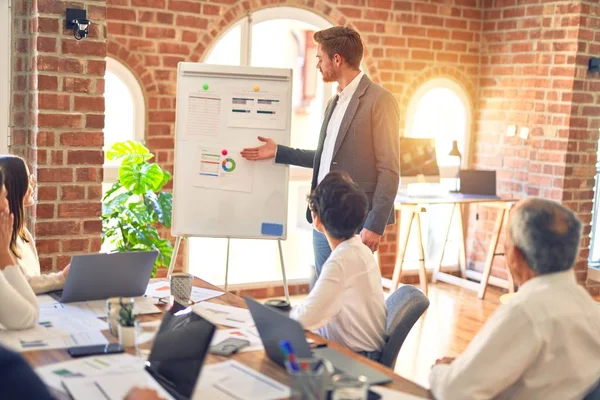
[[205, 86]]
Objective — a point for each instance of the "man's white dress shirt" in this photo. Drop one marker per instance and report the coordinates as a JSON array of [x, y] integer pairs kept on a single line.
[[333, 127], [544, 344], [347, 303]]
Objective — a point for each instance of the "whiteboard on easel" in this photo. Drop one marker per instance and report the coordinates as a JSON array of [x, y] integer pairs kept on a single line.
[[220, 111]]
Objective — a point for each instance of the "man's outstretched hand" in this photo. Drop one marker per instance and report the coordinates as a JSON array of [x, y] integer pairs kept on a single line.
[[264, 152]]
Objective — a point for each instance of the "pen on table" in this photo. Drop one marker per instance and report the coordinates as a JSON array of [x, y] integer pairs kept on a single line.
[[106, 396]]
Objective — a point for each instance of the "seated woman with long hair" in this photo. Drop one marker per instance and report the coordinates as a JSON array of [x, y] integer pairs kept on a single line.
[[18, 304], [19, 187]]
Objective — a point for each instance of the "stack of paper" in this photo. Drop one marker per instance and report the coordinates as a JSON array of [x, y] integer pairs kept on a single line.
[[53, 375], [225, 315], [231, 380]]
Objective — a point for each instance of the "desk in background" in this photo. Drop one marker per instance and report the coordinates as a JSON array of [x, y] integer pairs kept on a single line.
[[414, 206], [256, 360]]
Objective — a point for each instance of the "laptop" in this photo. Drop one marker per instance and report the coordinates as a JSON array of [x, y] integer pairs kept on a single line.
[[174, 364], [101, 276], [273, 326], [477, 182], [179, 351]]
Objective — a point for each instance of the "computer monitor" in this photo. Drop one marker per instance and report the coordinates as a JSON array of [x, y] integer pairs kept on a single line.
[[418, 161]]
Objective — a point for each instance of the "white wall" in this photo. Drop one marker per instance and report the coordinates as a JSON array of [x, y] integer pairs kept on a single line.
[[4, 73]]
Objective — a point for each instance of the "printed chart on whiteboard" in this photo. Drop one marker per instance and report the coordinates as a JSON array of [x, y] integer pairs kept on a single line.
[[203, 116], [263, 110], [223, 168]]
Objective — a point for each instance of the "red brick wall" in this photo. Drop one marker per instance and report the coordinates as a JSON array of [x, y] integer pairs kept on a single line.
[[58, 113], [533, 74], [584, 127]]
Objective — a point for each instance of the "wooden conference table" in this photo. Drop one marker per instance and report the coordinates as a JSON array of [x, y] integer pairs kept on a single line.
[[256, 360]]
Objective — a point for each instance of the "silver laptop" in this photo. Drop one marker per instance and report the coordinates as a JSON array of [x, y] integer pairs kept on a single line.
[[273, 326], [101, 276]]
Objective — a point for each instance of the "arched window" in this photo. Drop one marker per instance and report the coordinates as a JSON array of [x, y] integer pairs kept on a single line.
[[440, 109], [125, 111], [288, 32]]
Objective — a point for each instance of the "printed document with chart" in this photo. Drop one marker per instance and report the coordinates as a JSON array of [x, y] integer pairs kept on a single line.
[[223, 168]]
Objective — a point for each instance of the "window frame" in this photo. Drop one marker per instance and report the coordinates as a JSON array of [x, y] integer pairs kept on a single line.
[[594, 259], [461, 93], [139, 109]]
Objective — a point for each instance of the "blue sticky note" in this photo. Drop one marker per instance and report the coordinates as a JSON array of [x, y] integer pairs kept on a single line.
[[271, 229]]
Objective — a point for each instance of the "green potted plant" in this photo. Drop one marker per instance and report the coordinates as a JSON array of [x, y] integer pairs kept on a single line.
[[126, 322], [135, 205]]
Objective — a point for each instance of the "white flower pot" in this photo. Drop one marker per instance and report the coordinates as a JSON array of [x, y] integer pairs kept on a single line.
[[127, 336]]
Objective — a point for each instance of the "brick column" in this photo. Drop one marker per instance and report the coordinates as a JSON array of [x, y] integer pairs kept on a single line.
[[62, 138]]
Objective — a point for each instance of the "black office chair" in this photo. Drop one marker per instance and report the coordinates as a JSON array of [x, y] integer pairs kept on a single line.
[[594, 394], [404, 307]]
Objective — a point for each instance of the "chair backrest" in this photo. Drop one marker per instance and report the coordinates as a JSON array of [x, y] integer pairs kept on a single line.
[[594, 394], [404, 307]]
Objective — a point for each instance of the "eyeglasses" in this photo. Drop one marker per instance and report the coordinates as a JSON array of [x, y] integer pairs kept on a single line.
[[32, 180]]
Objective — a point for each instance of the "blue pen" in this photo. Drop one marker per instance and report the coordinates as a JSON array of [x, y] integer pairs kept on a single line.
[[288, 352]]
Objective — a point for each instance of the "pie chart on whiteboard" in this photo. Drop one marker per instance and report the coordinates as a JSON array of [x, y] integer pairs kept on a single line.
[[228, 165]]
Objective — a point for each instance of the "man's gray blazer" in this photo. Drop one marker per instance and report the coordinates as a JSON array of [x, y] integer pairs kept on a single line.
[[367, 148]]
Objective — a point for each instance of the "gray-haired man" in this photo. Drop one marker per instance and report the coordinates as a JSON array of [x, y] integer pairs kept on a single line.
[[544, 344]]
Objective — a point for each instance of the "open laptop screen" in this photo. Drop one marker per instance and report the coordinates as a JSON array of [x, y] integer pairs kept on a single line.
[[179, 350]]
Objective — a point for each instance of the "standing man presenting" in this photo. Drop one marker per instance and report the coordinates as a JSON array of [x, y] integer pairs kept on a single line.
[[359, 135]]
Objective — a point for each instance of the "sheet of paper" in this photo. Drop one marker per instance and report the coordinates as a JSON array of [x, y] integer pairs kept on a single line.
[[389, 394], [225, 315], [259, 110], [95, 308], [232, 380], [162, 289], [54, 374], [40, 338], [223, 168], [158, 289], [143, 305], [202, 294], [249, 334], [66, 320], [111, 387], [203, 116]]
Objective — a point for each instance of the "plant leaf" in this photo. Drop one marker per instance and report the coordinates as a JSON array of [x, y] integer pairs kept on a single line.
[[166, 203], [166, 178], [115, 204], [133, 152], [115, 187], [138, 179]]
